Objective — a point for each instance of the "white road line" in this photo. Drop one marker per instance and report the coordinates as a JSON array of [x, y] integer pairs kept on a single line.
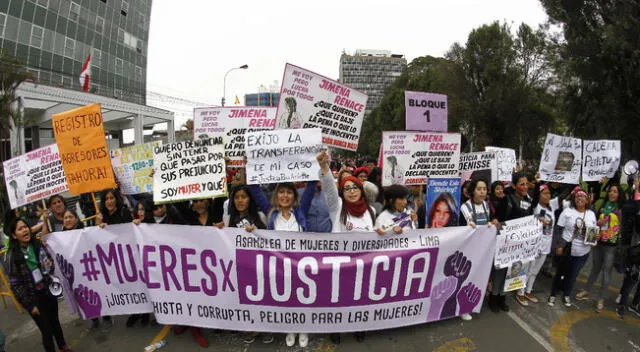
[[541, 340]]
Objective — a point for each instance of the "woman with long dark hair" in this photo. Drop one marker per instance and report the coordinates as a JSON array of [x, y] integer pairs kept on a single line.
[[29, 278], [443, 212], [243, 210], [396, 216], [71, 221]]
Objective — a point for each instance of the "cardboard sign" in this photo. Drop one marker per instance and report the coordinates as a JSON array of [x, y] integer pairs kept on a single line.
[[410, 158], [83, 149], [189, 170], [426, 111], [561, 159], [309, 100], [478, 166], [132, 166], [518, 241], [443, 202], [234, 122], [505, 162], [601, 159], [283, 155], [34, 176]]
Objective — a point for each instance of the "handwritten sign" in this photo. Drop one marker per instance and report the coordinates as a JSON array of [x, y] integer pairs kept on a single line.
[[35, 175], [505, 161], [309, 100], [425, 111], [189, 170], [283, 155], [601, 159], [237, 121], [132, 166], [518, 241], [83, 149], [561, 159], [410, 158]]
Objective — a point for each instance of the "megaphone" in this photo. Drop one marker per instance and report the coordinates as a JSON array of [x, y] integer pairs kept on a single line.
[[55, 287], [631, 168]]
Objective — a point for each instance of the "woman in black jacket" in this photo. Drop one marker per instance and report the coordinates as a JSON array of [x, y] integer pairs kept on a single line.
[[29, 280]]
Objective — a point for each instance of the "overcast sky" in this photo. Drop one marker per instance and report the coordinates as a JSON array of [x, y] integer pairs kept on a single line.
[[192, 43]]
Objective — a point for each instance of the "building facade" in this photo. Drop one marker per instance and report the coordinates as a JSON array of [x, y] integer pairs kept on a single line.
[[261, 99], [54, 38], [371, 71]]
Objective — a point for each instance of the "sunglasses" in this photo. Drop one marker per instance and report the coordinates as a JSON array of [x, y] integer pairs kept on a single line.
[[351, 188]]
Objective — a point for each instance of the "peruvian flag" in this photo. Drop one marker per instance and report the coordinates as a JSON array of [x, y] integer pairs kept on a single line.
[[85, 75]]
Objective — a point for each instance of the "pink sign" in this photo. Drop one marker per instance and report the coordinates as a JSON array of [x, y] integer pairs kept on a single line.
[[426, 111]]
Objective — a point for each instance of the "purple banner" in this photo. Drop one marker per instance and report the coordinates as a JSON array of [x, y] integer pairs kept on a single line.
[[426, 111]]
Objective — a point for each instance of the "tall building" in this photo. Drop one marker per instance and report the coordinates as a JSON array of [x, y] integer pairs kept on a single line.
[[54, 38], [266, 96], [371, 71]]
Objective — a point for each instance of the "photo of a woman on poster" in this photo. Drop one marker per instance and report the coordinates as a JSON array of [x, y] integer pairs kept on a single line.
[[393, 174], [443, 211], [291, 117]]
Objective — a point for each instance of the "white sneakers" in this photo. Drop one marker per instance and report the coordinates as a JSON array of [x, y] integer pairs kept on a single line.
[[466, 317], [303, 339]]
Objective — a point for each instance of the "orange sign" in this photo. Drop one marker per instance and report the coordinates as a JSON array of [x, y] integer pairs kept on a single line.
[[83, 149]]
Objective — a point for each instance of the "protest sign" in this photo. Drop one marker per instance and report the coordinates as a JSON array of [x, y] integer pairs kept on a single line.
[[83, 149], [189, 170], [283, 155], [561, 159], [237, 121], [516, 276], [207, 123], [601, 159], [410, 158], [505, 162], [519, 240], [443, 202], [425, 111], [275, 281], [309, 100], [478, 166], [35, 175], [132, 166]]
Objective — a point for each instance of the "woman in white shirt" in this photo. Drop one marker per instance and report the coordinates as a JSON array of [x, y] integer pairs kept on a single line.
[[574, 222], [349, 210], [396, 216]]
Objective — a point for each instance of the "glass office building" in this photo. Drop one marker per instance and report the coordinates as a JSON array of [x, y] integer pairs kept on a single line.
[[371, 71], [54, 37]]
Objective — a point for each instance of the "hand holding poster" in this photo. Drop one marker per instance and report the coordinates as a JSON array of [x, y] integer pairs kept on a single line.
[[83, 149], [309, 100], [601, 159], [283, 155], [237, 121], [561, 159], [189, 170], [518, 241], [410, 158], [35, 175], [505, 160], [425, 111], [132, 166]]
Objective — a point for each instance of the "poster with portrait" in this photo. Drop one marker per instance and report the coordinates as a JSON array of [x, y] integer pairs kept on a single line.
[[443, 202]]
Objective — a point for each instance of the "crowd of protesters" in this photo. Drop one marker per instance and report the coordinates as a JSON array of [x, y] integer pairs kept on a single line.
[[348, 198]]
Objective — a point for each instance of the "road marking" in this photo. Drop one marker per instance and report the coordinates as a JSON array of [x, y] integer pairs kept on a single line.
[[559, 331], [526, 327], [161, 335], [460, 345]]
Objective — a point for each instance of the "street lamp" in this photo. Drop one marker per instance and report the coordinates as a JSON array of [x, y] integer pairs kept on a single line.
[[224, 82]]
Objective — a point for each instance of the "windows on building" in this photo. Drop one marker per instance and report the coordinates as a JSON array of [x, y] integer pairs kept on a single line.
[[119, 66], [74, 11], [117, 93], [100, 25], [96, 58], [36, 36], [124, 7], [121, 35], [69, 48], [43, 3], [3, 20], [138, 73]]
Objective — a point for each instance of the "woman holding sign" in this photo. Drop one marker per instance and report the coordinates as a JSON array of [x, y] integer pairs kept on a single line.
[[396, 216], [573, 253], [348, 208]]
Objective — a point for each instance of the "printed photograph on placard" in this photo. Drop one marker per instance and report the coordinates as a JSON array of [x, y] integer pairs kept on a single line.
[[591, 235], [565, 161], [443, 199]]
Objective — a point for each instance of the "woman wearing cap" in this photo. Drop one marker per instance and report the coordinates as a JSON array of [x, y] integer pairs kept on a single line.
[[286, 213], [573, 252], [348, 208]]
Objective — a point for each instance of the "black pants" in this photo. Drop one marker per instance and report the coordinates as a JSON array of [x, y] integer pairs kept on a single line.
[[630, 280], [48, 321]]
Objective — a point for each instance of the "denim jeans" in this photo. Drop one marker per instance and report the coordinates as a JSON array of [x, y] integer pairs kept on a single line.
[[603, 256], [567, 274]]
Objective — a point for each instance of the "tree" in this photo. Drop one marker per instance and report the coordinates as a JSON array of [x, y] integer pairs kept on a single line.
[[600, 66]]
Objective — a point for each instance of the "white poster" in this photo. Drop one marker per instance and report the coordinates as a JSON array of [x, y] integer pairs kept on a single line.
[[561, 159], [309, 100], [189, 170], [518, 241], [132, 167], [505, 161], [283, 155], [410, 158], [601, 159], [236, 122], [35, 175]]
